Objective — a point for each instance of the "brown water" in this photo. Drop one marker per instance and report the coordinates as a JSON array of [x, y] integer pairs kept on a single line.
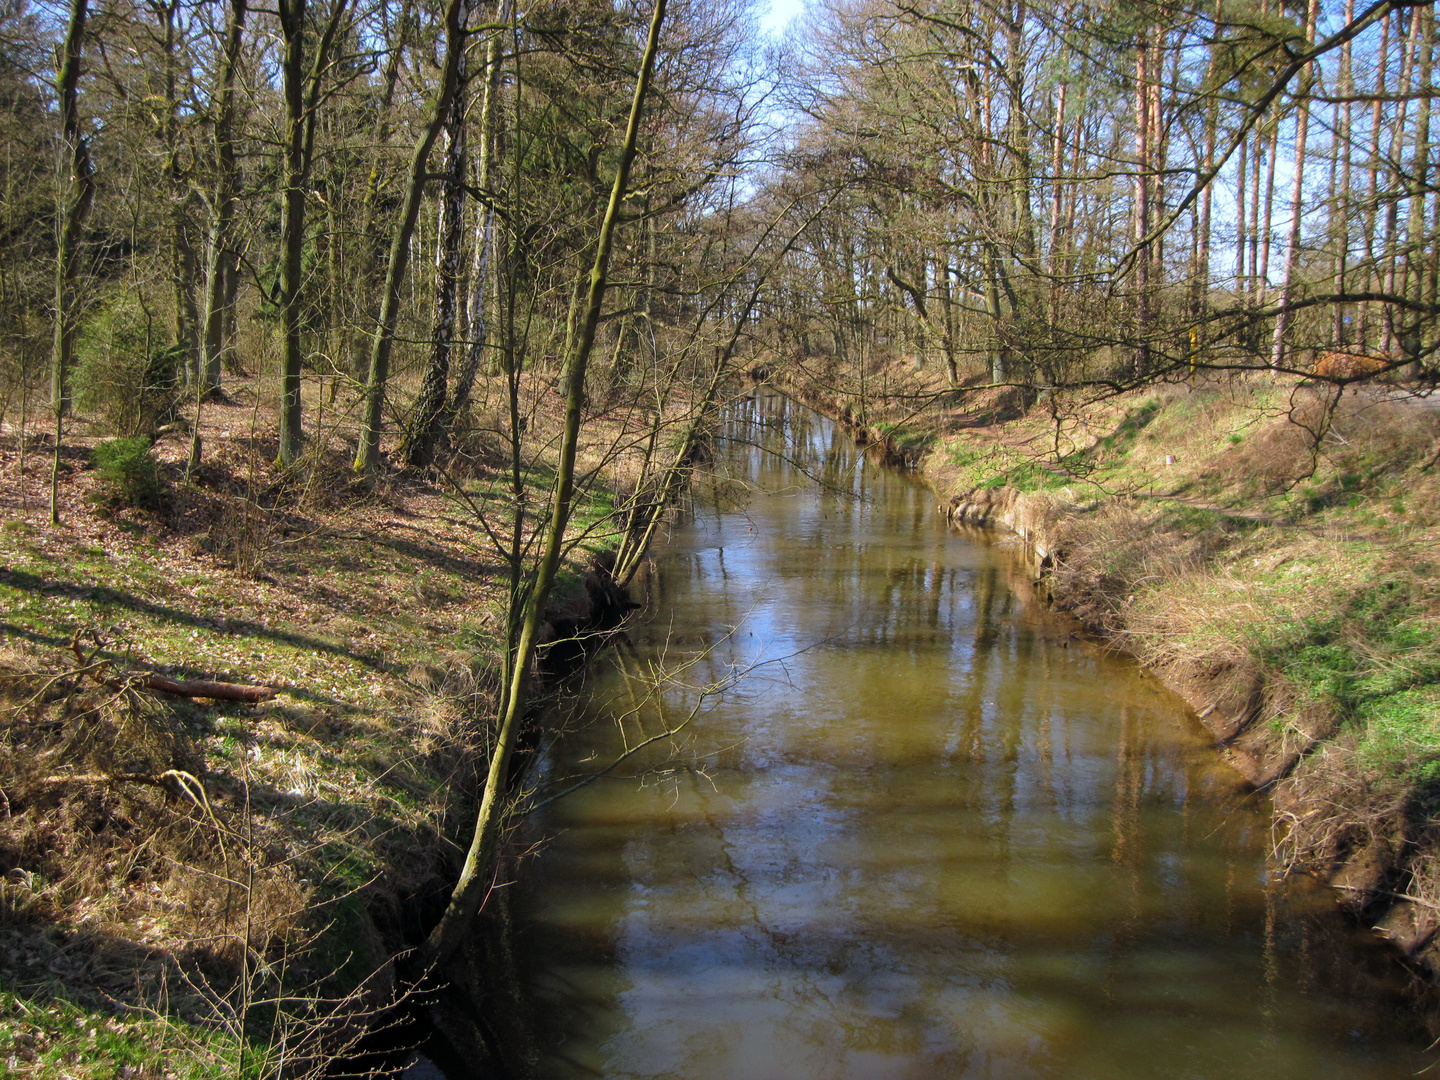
[[929, 834]]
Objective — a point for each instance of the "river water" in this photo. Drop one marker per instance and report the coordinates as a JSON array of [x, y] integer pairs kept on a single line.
[[909, 825]]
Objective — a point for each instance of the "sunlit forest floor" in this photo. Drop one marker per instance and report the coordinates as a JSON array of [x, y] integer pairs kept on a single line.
[[193, 887]]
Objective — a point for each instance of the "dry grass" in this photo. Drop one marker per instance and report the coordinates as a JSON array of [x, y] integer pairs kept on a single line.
[[129, 884], [277, 839]]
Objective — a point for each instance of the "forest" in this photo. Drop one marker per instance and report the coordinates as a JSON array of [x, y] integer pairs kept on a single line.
[[1068, 193], [263, 265]]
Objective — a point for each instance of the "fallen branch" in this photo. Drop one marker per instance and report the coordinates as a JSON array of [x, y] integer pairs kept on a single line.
[[174, 781], [191, 688]]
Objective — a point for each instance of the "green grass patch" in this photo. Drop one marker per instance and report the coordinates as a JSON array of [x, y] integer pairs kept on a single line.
[[906, 439], [53, 1037], [1376, 659], [1001, 467]]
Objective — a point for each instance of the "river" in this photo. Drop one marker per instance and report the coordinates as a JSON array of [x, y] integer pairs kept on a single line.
[[909, 825]]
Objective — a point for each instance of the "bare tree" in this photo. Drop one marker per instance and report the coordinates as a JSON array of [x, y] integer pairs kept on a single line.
[[76, 197], [480, 859]]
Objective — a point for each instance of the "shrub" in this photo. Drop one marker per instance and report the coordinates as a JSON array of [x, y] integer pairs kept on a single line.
[[129, 472], [124, 375]]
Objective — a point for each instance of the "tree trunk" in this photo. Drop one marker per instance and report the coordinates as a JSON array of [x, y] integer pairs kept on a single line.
[[418, 446], [1297, 196], [1241, 173], [183, 270], [1390, 248], [1415, 238], [371, 237], [1053, 264], [292, 223], [1372, 201], [1200, 294], [942, 269], [1142, 208], [1340, 192], [1159, 155], [220, 260], [482, 274], [183, 263], [367, 454], [77, 195], [229, 358], [302, 99], [1410, 56], [1262, 277], [1257, 158]]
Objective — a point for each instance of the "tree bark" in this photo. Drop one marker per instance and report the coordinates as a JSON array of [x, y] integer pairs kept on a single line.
[[1340, 191], [1142, 208], [302, 97], [183, 263], [1372, 202], [371, 237], [220, 258], [417, 448], [1419, 177], [1390, 246], [482, 276], [1262, 277], [77, 195], [1241, 233], [367, 454], [1297, 196]]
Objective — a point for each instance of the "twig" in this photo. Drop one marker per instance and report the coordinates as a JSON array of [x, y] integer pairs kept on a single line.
[[172, 780]]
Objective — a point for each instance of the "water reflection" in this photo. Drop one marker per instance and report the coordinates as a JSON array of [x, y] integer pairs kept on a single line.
[[928, 834]]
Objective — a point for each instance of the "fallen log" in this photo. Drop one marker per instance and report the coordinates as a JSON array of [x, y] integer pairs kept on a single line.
[[193, 688]]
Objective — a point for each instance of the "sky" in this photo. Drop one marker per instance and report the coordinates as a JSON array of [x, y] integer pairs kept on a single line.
[[780, 14]]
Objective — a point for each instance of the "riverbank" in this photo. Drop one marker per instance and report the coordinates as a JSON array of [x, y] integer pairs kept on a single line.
[[1269, 551], [192, 887]]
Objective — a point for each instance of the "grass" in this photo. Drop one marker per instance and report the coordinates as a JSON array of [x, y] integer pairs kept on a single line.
[[988, 468], [910, 440], [43, 1036], [377, 618], [1375, 659]]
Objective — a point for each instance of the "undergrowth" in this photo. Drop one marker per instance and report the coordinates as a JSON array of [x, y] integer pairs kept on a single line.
[[129, 472]]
